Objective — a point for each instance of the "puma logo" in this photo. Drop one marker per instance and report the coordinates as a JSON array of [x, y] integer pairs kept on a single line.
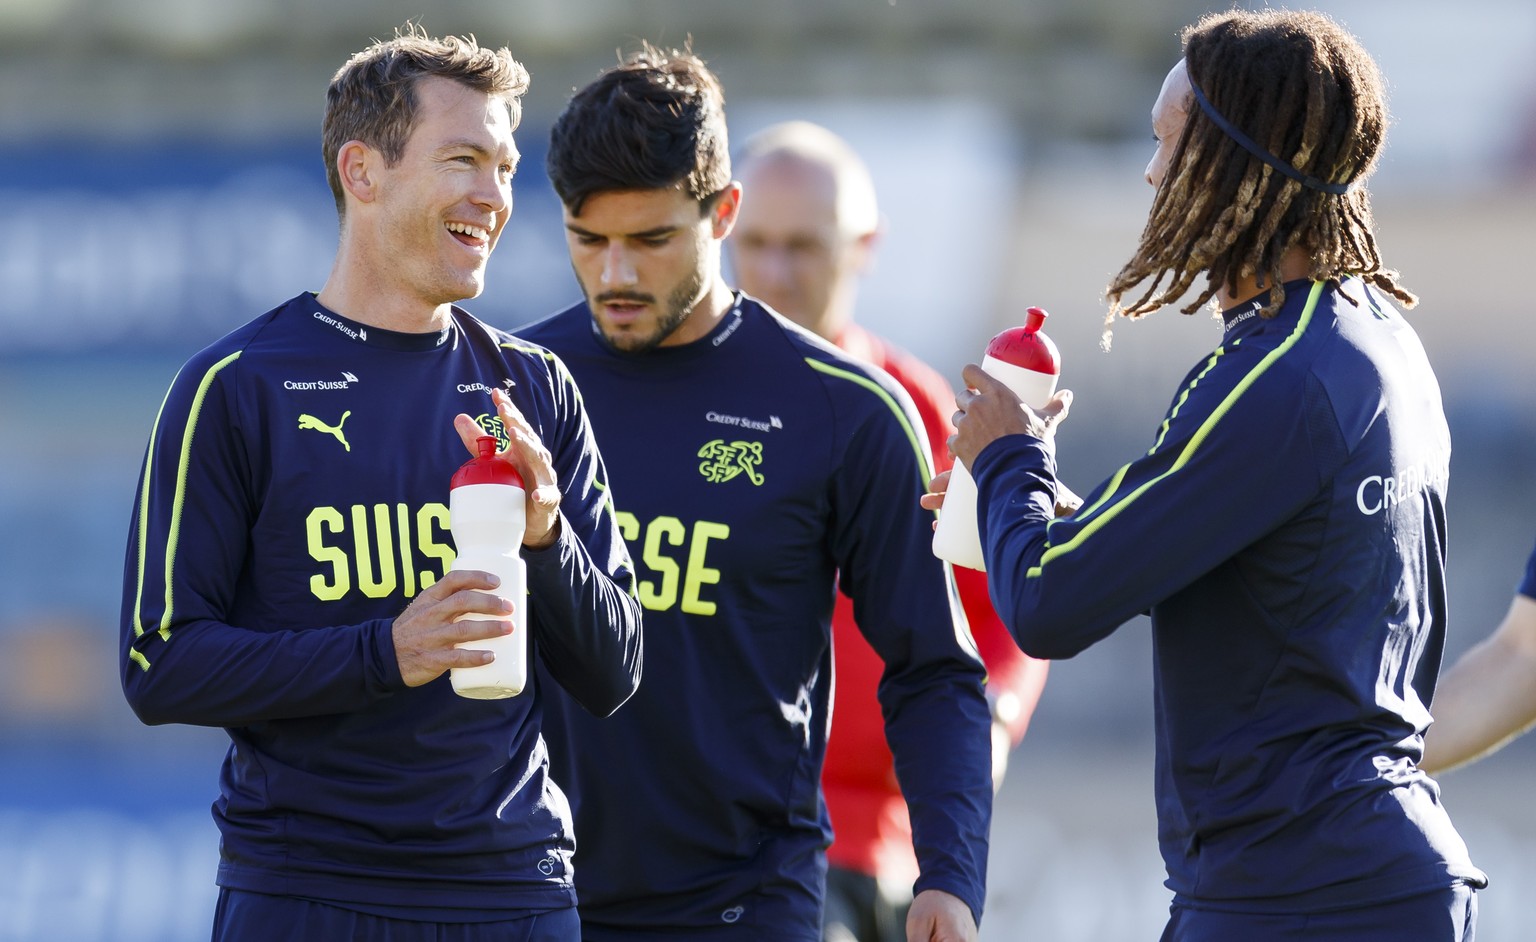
[[309, 421]]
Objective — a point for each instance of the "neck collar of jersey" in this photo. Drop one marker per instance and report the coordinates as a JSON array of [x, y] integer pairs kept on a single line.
[[705, 345], [1248, 310], [377, 337]]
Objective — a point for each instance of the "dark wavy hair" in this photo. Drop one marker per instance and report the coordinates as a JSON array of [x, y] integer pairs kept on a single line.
[[373, 97], [1302, 88], [654, 121]]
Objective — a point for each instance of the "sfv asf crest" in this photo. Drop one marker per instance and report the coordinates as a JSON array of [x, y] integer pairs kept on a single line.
[[725, 460], [490, 423]]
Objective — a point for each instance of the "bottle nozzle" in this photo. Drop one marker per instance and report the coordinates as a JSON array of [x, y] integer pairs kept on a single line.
[[486, 467], [1034, 319]]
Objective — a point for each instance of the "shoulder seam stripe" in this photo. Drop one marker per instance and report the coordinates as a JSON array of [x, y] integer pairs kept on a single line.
[[963, 635], [562, 373], [1162, 432], [1195, 440], [525, 347], [178, 502], [143, 530], [924, 468]]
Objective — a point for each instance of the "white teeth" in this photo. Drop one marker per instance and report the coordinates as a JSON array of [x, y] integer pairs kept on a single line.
[[474, 232]]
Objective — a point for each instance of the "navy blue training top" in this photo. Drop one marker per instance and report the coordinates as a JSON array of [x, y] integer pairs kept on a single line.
[[292, 502], [1528, 584], [1286, 530], [749, 468]]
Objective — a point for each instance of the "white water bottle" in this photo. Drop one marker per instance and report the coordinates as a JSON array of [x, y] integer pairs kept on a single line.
[[487, 515], [1026, 361]]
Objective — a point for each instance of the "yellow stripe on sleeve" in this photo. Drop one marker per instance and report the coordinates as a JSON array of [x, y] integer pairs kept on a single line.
[[918, 442], [177, 505], [1195, 440]]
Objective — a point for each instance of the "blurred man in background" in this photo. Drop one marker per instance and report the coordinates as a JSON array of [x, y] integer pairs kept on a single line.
[[752, 463], [805, 234], [293, 502], [1488, 697]]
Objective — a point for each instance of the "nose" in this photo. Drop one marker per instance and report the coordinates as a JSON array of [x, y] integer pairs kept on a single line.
[[493, 192], [618, 269], [1156, 168]]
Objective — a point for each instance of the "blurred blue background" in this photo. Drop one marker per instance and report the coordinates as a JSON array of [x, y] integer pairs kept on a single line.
[[160, 183]]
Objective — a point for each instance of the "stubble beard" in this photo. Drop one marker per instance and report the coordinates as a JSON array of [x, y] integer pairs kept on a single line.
[[680, 303]]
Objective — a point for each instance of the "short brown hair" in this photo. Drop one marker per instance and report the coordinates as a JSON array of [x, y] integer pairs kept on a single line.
[[655, 121], [373, 97]]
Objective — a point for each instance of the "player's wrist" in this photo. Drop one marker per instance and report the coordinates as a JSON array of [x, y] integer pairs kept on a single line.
[[545, 540]]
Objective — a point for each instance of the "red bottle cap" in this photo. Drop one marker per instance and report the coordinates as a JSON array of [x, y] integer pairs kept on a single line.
[[486, 468], [1026, 346]]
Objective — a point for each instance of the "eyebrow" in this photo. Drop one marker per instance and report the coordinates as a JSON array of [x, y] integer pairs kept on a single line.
[[646, 234], [477, 147]]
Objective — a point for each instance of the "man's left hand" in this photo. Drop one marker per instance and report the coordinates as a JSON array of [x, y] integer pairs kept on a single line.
[[988, 410], [528, 454], [937, 916]]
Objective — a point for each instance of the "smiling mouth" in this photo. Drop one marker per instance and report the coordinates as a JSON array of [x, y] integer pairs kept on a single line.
[[473, 236]]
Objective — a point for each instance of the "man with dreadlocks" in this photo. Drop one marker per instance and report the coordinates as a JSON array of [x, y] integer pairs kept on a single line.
[[1286, 528]]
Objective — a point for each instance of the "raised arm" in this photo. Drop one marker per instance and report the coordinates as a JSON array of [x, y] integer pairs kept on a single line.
[[585, 616]]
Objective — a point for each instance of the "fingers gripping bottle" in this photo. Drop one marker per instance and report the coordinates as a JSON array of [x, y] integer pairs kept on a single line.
[[1026, 361], [487, 515]]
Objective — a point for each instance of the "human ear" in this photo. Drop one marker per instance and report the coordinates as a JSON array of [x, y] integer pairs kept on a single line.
[[722, 215], [861, 251], [356, 165]]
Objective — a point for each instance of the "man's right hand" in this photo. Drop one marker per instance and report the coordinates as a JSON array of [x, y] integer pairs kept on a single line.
[[426, 632]]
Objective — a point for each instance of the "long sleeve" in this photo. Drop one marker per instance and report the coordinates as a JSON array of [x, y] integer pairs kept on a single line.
[[184, 661], [871, 825], [586, 618], [1234, 434], [1014, 679], [937, 719]]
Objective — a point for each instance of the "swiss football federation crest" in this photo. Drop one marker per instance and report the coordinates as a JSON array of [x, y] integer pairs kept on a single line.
[[725, 460], [490, 422]]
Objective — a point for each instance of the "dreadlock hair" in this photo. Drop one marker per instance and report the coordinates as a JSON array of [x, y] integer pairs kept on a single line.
[[654, 121], [1303, 89]]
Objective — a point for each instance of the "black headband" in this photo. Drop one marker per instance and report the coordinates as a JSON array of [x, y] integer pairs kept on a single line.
[[1247, 144]]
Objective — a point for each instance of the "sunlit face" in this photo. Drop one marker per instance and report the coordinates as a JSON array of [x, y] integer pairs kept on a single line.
[[1169, 114], [789, 248], [442, 207], [645, 260]]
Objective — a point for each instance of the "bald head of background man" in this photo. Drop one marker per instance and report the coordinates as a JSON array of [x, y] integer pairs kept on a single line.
[[807, 227]]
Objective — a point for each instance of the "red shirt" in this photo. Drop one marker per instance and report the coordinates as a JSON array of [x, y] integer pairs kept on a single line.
[[869, 816]]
